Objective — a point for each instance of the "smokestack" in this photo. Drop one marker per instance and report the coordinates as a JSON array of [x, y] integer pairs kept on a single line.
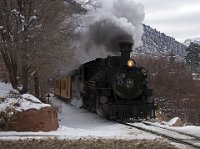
[[125, 48]]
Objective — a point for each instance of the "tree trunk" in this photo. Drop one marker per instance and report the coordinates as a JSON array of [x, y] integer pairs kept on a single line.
[[25, 66], [13, 79], [11, 68], [36, 80], [24, 78]]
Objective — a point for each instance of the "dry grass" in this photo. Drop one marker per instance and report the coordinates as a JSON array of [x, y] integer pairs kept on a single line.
[[85, 144]]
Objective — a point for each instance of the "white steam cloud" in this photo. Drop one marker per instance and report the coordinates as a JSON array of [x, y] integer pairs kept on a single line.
[[115, 21]]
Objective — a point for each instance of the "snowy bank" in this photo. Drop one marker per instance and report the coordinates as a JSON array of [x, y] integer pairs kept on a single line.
[[25, 112], [18, 102]]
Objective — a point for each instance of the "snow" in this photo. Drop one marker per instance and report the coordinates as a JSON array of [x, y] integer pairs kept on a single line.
[[32, 18], [196, 76], [172, 121], [18, 103], [76, 123], [194, 40], [31, 98], [15, 11], [4, 89], [77, 102], [162, 131], [192, 130]]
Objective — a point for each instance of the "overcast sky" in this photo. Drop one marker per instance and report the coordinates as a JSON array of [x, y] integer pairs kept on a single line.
[[177, 18]]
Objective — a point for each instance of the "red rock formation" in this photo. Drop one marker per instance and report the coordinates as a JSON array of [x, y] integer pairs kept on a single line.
[[45, 119]]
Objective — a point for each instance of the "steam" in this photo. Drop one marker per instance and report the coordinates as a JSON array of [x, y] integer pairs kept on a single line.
[[116, 21], [105, 32]]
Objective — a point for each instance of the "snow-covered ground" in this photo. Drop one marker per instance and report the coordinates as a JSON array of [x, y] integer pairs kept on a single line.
[[9, 98], [74, 122], [192, 130], [78, 123]]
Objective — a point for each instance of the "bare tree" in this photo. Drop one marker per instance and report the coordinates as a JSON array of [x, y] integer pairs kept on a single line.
[[53, 48], [17, 21], [35, 39], [7, 41]]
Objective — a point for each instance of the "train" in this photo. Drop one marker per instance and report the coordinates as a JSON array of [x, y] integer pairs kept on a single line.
[[113, 87]]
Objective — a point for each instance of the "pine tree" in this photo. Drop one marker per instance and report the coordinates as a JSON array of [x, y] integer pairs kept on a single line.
[[193, 57]]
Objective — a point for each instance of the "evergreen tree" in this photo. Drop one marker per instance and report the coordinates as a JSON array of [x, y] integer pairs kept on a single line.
[[193, 57], [172, 58]]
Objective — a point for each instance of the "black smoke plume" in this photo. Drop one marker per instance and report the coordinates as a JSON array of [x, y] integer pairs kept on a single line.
[[105, 33]]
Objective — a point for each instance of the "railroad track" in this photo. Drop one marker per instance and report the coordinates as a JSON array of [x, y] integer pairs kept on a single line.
[[152, 124], [175, 136]]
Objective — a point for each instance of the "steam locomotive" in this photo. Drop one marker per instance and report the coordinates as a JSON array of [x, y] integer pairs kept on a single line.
[[113, 87]]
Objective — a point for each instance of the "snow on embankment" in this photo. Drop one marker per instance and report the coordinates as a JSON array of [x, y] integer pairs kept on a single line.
[[21, 103], [18, 102], [176, 121], [24, 112]]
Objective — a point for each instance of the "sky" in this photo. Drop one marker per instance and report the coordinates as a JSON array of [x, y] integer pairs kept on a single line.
[[177, 18]]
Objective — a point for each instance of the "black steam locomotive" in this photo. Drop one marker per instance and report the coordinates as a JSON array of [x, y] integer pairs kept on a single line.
[[114, 87]]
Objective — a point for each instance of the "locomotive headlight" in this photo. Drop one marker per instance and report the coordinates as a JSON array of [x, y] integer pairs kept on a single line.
[[130, 63]]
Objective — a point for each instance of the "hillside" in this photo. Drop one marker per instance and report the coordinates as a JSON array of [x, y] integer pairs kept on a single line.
[[189, 40], [154, 42], [158, 44]]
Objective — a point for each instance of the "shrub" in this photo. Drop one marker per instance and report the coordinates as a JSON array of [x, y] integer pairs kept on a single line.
[[175, 91], [6, 117]]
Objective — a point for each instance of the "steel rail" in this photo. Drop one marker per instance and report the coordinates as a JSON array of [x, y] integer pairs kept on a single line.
[[174, 139], [183, 133]]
